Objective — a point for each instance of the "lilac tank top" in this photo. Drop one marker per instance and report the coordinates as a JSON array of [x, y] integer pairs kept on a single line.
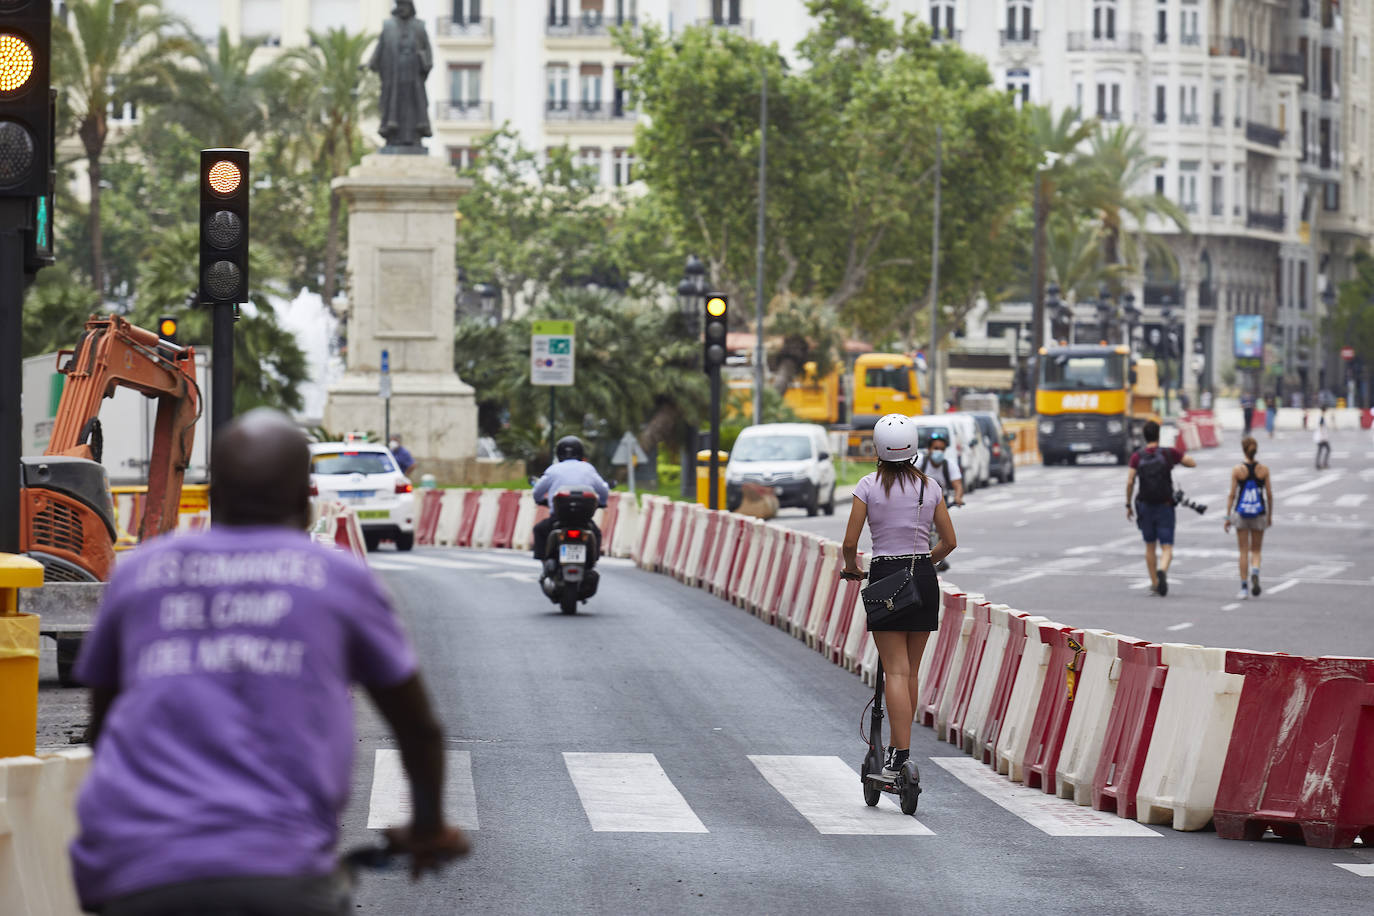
[[897, 528]]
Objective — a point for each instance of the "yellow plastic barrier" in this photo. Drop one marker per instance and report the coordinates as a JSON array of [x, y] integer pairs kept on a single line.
[[128, 504], [704, 477], [1025, 447], [18, 657]]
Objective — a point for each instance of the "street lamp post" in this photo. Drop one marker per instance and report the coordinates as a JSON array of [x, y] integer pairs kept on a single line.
[[1132, 315], [1106, 314], [1061, 315], [691, 292]]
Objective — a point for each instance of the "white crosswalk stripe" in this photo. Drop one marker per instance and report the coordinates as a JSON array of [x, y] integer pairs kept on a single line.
[[1301, 499], [826, 791], [1351, 500], [1047, 813], [389, 805], [629, 793]]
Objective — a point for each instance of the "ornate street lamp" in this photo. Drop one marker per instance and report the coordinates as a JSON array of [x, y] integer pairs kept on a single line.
[[691, 289]]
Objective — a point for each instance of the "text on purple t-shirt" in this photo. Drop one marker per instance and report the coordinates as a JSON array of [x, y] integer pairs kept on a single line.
[[229, 748]]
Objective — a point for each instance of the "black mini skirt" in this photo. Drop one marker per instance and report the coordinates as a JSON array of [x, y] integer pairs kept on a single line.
[[924, 618]]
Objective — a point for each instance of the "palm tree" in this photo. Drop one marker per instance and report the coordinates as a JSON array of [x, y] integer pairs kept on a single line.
[[1119, 164], [107, 51], [810, 332], [221, 101], [339, 93]]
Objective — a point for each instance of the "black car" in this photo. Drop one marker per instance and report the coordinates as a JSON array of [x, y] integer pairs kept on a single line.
[[1003, 465]]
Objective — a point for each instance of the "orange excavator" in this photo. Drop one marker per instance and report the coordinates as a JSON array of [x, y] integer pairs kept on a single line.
[[67, 517]]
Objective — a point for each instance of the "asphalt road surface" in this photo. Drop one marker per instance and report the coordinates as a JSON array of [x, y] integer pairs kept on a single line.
[[1056, 542]]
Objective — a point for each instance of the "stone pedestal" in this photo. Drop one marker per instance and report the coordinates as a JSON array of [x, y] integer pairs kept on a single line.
[[402, 281]]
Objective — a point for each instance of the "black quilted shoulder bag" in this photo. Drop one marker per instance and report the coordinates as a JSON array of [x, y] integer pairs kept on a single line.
[[897, 592]]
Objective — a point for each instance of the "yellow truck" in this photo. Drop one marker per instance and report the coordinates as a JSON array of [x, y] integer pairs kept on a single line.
[[881, 383], [1092, 399]]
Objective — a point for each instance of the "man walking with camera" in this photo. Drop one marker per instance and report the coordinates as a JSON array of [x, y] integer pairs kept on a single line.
[[1153, 508]]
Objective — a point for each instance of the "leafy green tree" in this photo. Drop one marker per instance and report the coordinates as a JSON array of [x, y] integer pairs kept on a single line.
[[219, 99], [1352, 318], [809, 331], [56, 307], [109, 51], [337, 93]]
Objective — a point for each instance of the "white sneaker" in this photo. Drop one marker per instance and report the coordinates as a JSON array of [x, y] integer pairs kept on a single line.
[[1243, 593]]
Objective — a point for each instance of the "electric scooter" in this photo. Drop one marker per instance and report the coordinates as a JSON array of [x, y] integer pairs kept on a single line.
[[906, 785]]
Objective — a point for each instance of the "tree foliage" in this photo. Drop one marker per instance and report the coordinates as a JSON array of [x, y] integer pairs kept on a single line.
[[1352, 318]]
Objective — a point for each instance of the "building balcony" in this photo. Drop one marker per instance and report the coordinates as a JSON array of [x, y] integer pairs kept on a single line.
[[459, 110], [449, 27], [1261, 219], [589, 24], [1263, 134], [1019, 38], [1218, 119], [1287, 65], [588, 111], [1189, 120], [1129, 42], [1227, 46], [1161, 38], [954, 35], [1193, 40], [744, 27]]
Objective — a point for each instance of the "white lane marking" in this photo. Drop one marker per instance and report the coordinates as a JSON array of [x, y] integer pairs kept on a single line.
[[970, 564], [1302, 499], [388, 567], [1015, 579], [515, 576], [1230, 607], [1179, 626], [1364, 871], [1351, 500], [1319, 570], [826, 791], [629, 793], [1316, 482], [1047, 813], [444, 562], [1283, 586], [1051, 504], [1138, 585], [389, 805], [1021, 523]]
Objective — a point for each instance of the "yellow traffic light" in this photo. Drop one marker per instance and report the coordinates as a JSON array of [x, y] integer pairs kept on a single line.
[[167, 328], [224, 177], [715, 306], [16, 63]]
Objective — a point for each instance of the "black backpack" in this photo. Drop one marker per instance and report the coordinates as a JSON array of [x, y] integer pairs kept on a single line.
[[1155, 475]]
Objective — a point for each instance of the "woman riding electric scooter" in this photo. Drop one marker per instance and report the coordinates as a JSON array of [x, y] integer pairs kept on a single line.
[[900, 505]]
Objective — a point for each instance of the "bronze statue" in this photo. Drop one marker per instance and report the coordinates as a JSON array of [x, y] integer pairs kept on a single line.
[[403, 59]]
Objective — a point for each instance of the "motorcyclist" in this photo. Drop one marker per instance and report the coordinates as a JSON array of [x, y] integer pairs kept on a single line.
[[571, 469]]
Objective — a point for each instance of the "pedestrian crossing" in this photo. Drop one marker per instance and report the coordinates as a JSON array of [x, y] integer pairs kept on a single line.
[[632, 793]]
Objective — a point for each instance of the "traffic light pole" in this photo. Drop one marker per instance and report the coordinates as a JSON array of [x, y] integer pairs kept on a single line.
[[713, 495], [11, 368], [222, 368]]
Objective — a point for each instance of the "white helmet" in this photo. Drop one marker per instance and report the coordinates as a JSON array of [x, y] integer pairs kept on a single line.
[[894, 438]]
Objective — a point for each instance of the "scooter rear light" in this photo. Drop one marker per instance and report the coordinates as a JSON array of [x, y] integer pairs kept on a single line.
[[575, 534]]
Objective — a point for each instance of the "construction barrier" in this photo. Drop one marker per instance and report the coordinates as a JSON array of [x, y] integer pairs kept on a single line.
[[1092, 709], [451, 507], [1209, 431], [1192, 732], [526, 515], [975, 724], [1301, 754], [431, 502], [1026, 689], [1046, 736], [1019, 627], [1025, 445], [932, 681], [961, 696], [37, 822], [1129, 728], [507, 513]]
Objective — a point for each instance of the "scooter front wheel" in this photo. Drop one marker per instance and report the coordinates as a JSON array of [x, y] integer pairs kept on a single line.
[[911, 787], [871, 790]]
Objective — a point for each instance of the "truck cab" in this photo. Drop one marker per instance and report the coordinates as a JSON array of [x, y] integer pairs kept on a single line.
[[1092, 399], [884, 383]]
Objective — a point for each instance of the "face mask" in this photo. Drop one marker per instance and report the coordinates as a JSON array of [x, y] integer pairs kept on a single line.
[[393, 445], [937, 457]]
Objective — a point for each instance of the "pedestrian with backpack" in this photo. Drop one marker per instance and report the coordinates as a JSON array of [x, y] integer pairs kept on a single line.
[[1153, 508], [1250, 507]]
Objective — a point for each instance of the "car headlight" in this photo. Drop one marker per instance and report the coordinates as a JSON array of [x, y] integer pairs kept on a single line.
[[1047, 427], [1114, 427]]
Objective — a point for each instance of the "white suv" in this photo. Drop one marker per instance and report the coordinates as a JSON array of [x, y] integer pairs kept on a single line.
[[364, 476]]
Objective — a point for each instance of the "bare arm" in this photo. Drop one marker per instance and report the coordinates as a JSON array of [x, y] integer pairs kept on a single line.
[[1269, 495], [858, 515], [958, 491], [1188, 461], [1230, 502], [945, 528], [406, 709], [1130, 489]]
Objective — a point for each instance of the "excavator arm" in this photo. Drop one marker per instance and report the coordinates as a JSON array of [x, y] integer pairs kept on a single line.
[[113, 353]]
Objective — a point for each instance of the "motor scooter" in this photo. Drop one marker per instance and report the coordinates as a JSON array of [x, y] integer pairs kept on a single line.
[[572, 549]]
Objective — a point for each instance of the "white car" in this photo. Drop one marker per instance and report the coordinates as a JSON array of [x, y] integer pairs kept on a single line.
[[977, 453], [791, 458], [365, 477], [955, 431]]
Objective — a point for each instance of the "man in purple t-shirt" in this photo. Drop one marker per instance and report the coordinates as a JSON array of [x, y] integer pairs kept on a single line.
[[221, 716]]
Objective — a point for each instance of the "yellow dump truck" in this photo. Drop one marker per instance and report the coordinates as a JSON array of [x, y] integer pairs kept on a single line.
[[1092, 399], [881, 383]]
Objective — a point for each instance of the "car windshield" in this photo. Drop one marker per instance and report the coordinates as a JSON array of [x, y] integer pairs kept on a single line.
[[924, 434], [894, 377], [1083, 373], [352, 463], [772, 448]]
